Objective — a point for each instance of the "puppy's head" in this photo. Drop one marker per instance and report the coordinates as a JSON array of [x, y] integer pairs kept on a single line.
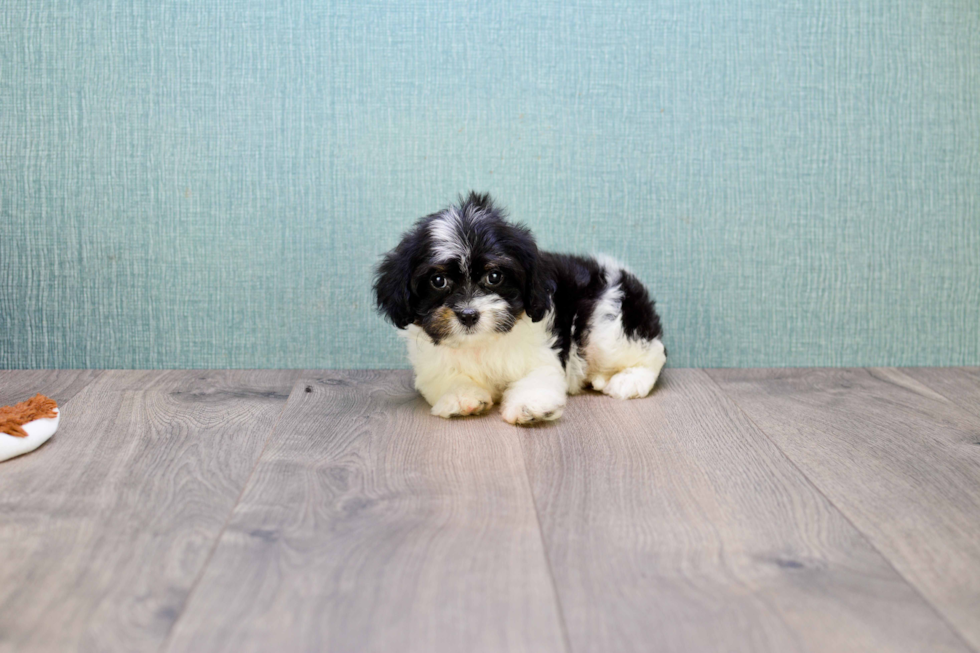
[[462, 275]]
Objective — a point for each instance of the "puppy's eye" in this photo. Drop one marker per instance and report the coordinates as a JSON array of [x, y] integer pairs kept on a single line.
[[438, 282], [494, 278]]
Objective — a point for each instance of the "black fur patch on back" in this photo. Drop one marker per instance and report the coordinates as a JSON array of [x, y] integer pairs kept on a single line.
[[579, 282]]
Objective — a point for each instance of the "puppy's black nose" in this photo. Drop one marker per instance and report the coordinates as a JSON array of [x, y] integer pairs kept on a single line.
[[467, 316]]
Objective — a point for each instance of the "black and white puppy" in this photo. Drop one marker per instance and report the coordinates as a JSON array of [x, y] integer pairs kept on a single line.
[[489, 318]]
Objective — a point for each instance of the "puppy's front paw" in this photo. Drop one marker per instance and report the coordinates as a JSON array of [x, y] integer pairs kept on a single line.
[[470, 400], [527, 408]]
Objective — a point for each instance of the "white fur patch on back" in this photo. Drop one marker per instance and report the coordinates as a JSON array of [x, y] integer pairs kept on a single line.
[[610, 265]]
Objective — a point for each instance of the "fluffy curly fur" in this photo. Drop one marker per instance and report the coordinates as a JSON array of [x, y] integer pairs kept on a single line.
[[488, 318]]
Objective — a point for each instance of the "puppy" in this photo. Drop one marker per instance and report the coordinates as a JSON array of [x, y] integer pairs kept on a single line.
[[488, 318]]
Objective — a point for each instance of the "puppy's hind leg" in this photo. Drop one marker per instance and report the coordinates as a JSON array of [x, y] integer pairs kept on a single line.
[[624, 351], [637, 381]]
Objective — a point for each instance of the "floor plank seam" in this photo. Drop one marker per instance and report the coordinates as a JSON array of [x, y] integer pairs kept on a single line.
[[91, 383], [224, 527], [845, 516], [951, 400], [544, 549]]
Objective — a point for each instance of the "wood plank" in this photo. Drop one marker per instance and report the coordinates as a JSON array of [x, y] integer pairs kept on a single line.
[[673, 524], [370, 525], [60, 385], [104, 529], [961, 385], [901, 463]]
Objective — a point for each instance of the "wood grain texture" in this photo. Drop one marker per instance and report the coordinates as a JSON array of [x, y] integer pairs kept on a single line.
[[830, 510], [370, 525], [60, 385], [902, 463], [104, 529], [673, 524], [960, 385]]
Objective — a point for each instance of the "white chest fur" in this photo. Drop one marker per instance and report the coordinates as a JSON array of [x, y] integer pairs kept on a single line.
[[492, 361]]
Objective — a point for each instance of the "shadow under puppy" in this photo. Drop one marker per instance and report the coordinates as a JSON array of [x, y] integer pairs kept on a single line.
[[487, 317]]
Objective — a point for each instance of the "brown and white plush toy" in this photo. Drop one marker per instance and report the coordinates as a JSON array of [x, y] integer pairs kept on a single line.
[[26, 426]]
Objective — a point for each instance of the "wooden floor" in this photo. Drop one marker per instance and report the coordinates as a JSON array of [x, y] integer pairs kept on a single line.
[[732, 510]]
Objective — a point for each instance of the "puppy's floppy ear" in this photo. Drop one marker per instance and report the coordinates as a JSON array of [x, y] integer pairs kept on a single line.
[[538, 291], [539, 285], [392, 286]]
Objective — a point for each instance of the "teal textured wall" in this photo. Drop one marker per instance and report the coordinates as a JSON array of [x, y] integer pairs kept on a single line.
[[208, 184]]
